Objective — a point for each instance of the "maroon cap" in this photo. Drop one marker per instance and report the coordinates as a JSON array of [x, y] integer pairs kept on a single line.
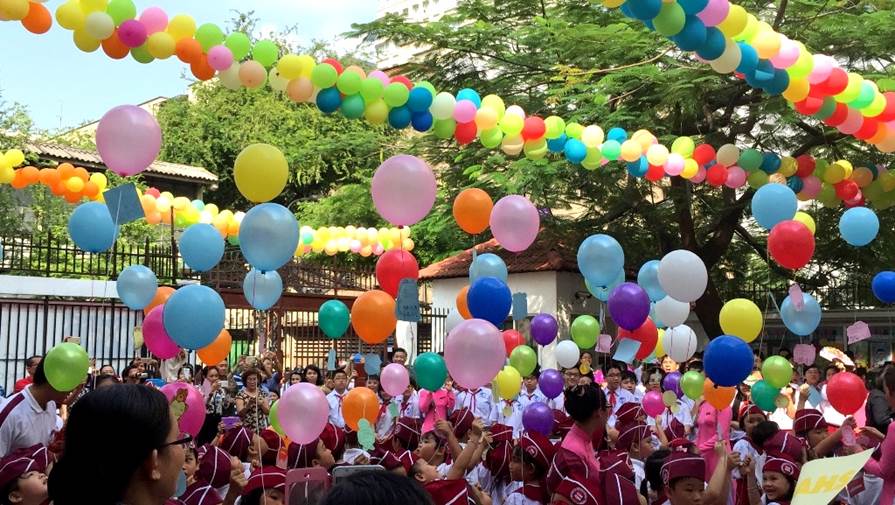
[[501, 433], [675, 429], [302, 455], [18, 463], [333, 439], [351, 437], [444, 492], [631, 433], [747, 409], [781, 463], [462, 420], [407, 431], [680, 444], [237, 442], [617, 463], [214, 467], [562, 423], [629, 412], [200, 493], [806, 420], [618, 490], [683, 464], [497, 461], [268, 477], [538, 448], [578, 491], [274, 444], [786, 443]]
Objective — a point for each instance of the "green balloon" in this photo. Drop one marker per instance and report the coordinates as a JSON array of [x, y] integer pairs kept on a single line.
[[274, 419], [395, 94], [324, 75], [121, 10], [574, 130], [353, 107], [757, 179], [611, 150], [349, 83], [431, 372], [265, 52], [209, 35], [865, 96], [334, 318], [524, 359], [233, 239], [444, 128], [66, 366], [141, 54], [777, 371], [670, 20], [427, 85], [239, 44], [371, 89], [750, 159], [585, 330], [764, 395], [491, 138], [691, 384]]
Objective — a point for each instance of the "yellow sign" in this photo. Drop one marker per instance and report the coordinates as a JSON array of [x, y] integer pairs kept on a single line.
[[821, 479]]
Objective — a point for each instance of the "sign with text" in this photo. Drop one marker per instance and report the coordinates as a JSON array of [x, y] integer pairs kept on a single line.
[[822, 479], [407, 306]]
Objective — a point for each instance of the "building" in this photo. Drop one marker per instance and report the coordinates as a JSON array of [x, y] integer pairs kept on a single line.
[[389, 55]]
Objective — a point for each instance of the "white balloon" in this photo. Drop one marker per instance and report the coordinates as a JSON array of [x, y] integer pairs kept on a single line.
[[683, 276], [680, 343], [672, 312], [230, 77], [452, 320], [567, 354]]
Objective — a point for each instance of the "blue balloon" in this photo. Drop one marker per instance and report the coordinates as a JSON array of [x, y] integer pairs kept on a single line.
[[773, 203], [648, 278], [883, 286], [202, 247], [801, 322], [91, 227], [617, 134], [748, 59], [488, 265], [575, 151], [419, 100], [795, 183], [626, 10], [638, 168], [778, 84], [198, 204], [714, 44], [652, 315], [770, 163], [858, 226], [268, 236], [727, 360], [693, 7], [471, 95], [136, 286], [329, 100], [489, 298], [692, 36], [399, 117], [644, 9], [194, 316], [421, 121], [262, 290], [602, 292], [558, 144], [600, 258]]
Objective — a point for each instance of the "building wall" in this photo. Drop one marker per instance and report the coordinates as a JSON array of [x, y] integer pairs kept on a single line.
[[414, 11]]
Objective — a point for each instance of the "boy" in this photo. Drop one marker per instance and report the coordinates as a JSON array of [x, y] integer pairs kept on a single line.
[[751, 417], [634, 438], [336, 396], [530, 392], [508, 412], [614, 392], [529, 463], [446, 484], [409, 403], [477, 400], [23, 478], [397, 452]]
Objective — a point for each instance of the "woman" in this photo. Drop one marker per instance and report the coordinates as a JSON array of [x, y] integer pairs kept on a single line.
[[122, 445], [271, 377], [879, 413], [885, 466], [313, 375], [107, 370], [654, 378], [252, 403], [216, 403]]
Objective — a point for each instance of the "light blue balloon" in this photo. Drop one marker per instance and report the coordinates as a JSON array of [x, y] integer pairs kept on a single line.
[[201, 247], [198, 205], [652, 315], [194, 316], [268, 236], [801, 322], [600, 258], [262, 290], [487, 265], [773, 203], [858, 226], [602, 292], [136, 286], [648, 278], [91, 227]]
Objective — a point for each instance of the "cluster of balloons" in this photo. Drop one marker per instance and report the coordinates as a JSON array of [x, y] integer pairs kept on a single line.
[[514, 220], [69, 182], [164, 207], [332, 240]]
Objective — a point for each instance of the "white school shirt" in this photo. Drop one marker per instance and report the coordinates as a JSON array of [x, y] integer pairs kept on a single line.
[[525, 398], [831, 415], [386, 422], [558, 403], [411, 407], [512, 419], [478, 401], [514, 498], [639, 472], [334, 400], [27, 423], [745, 449], [622, 396]]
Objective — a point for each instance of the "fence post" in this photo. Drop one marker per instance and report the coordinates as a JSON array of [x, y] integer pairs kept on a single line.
[[146, 255], [173, 251], [49, 246]]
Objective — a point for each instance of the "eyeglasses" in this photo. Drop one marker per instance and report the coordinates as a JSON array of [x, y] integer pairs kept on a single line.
[[572, 374], [184, 442]]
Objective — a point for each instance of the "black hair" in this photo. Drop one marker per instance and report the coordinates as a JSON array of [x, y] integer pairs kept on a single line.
[[301, 375], [124, 372], [253, 498], [888, 379], [376, 488], [373, 376], [399, 349], [337, 372], [40, 376], [582, 401], [614, 364], [784, 349], [314, 368], [30, 359], [629, 375], [652, 468], [102, 379], [763, 432], [830, 367], [536, 373], [250, 372], [96, 463], [520, 455], [696, 364], [208, 369]]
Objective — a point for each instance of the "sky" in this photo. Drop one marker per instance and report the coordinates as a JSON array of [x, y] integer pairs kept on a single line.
[[63, 87]]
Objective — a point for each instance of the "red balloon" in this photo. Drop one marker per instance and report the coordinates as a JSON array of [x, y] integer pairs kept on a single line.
[[805, 165], [335, 63], [834, 84], [716, 175], [703, 154], [465, 132], [809, 106], [839, 115], [534, 128], [846, 190], [654, 173], [403, 80], [791, 244], [868, 129], [888, 113], [394, 265], [846, 392], [512, 339], [857, 201], [647, 335]]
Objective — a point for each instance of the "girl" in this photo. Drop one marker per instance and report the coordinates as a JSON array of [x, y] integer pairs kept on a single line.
[[266, 486], [313, 375], [446, 484], [779, 477], [252, 403], [435, 406], [634, 438], [683, 477], [528, 467], [23, 479], [216, 403], [747, 448]]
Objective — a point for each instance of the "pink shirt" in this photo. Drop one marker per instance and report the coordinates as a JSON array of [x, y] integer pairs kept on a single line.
[[579, 442], [435, 406], [709, 421], [885, 466]]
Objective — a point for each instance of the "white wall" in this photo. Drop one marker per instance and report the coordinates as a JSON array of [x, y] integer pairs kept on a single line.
[[43, 286]]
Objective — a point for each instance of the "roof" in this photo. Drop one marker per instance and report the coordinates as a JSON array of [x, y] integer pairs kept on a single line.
[[544, 255], [91, 159]]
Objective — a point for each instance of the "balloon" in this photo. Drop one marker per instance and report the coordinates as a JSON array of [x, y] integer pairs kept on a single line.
[[431, 371], [538, 417], [691, 383], [515, 222], [161, 296], [273, 417], [403, 189], [136, 286], [202, 247], [652, 403], [66, 366], [394, 379], [155, 337], [543, 328], [628, 306], [672, 312], [268, 236], [682, 275], [646, 334], [585, 330], [373, 316], [461, 302], [648, 278], [741, 318], [474, 352], [801, 322], [718, 397], [188, 403], [194, 316], [773, 203], [91, 227], [728, 360], [791, 244], [883, 286], [360, 403], [551, 383], [38, 20], [303, 412], [128, 139], [489, 298], [488, 265], [672, 382], [524, 359], [776, 371], [846, 392], [600, 258], [472, 210], [217, 351], [394, 265], [680, 343], [508, 383], [262, 289], [260, 172], [765, 395], [511, 340], [567, 354], [858, 226], [333, 318]]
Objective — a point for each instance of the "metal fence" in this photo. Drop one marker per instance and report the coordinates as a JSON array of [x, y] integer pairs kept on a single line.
[[851, 293]]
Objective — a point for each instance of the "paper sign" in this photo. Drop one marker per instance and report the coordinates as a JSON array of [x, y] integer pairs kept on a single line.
[[407, 306], [857, 332], [822, 479], [795, 296], [331, 360], [604, 343], [626, 350], [814, 397], [804, 354], [520, 306], [138, 337], [372, 364], [124, 204]]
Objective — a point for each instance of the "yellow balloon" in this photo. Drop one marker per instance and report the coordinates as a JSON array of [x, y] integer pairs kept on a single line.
[[852, 89], [611, 4], [85, 42], [834, 173], [89, 6], [7, 174], [659, 351], [70, 16], [161, 45], [691, 168], [807, 220], [485, 118], [408, 244], [181, 26], [631, 150], [211, 209], [735, 22], [376, 112], [741, 318], [797, 90], [494, 103], [15, 157], [13, 9], [74, 184], [260, 172], [290, 66], [508, 382], [788, 166], [307, 65]]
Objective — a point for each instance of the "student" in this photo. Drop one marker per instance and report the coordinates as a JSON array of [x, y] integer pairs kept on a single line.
[[477, 400], [629, 384], [651, 487], [397, 451], [266, 486], [529, 463], [683, 478], [376, 488], [23, 478], [811, 426], [335, 398], [310, 455], [30, 368], [435, 406], [272, 445], [29, 417], [373, 383], [779, 477], [748, 450], [530, 392], [446, 484], [385, 423], [399, 356], [313, 375], [496, 464], [219, 469], [634, 439], [409, 402], [615, 395], [508, 412]]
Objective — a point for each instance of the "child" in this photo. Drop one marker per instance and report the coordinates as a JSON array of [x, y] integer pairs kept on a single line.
[[508, 412], [530, 392], [497, 462], [634, 439], [436, 405], [336, 396], [779, 478], [373, 383], [272, 445], [629, 383], [23, 478], [190, 464], [477, 400], [217, 475], [444, 483], [409, 402], [750, 417], [385, 423], [266, 486], [529, 463], [396, 452], [683, 477], [651, 487], [310, 455]]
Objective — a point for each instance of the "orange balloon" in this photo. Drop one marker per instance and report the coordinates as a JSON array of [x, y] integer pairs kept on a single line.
[[360, 403], [153, 217], [65, 170], [38, 20], [161, 296], [217, 351], [31, 174], [201, 69], [188, 50], [90, 189], [49, 177], [82, 173], [58, 189], [18, 181], [114, 48], [373, 316], [472, 210], [461, 303], [71, 197], [718, 397]]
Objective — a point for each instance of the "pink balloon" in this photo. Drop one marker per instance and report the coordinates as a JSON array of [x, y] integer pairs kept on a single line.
[[394, 379], [128, 139], [155, 337], [220, 58], [474, 352], [515, 222], [736, 177], [652, 403], [714, 12], [853, 122], [132, 33], [382, 76], [154, 19], [699, 177], [303, 412], [674, 165], [188, 404], [464, 111], [811, 186], [823, 65], [787, 55], [403, 189]]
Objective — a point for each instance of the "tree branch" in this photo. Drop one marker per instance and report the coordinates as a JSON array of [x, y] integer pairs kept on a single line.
[[781, 10], [763, 254]]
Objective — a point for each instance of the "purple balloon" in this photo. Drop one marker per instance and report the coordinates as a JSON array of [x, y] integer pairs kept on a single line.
[[551, 383], [544, 328], [628, 305], [538, 417], [128, 139], [403, 189], [672, 382]]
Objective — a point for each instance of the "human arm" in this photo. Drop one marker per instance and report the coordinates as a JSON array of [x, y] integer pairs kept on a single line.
[[444, 428], [791, 406], [719, 485], [885, 466], [826, 446], [237, 482], [803, 396], [263, 402], [659, 430], [461, 464]]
